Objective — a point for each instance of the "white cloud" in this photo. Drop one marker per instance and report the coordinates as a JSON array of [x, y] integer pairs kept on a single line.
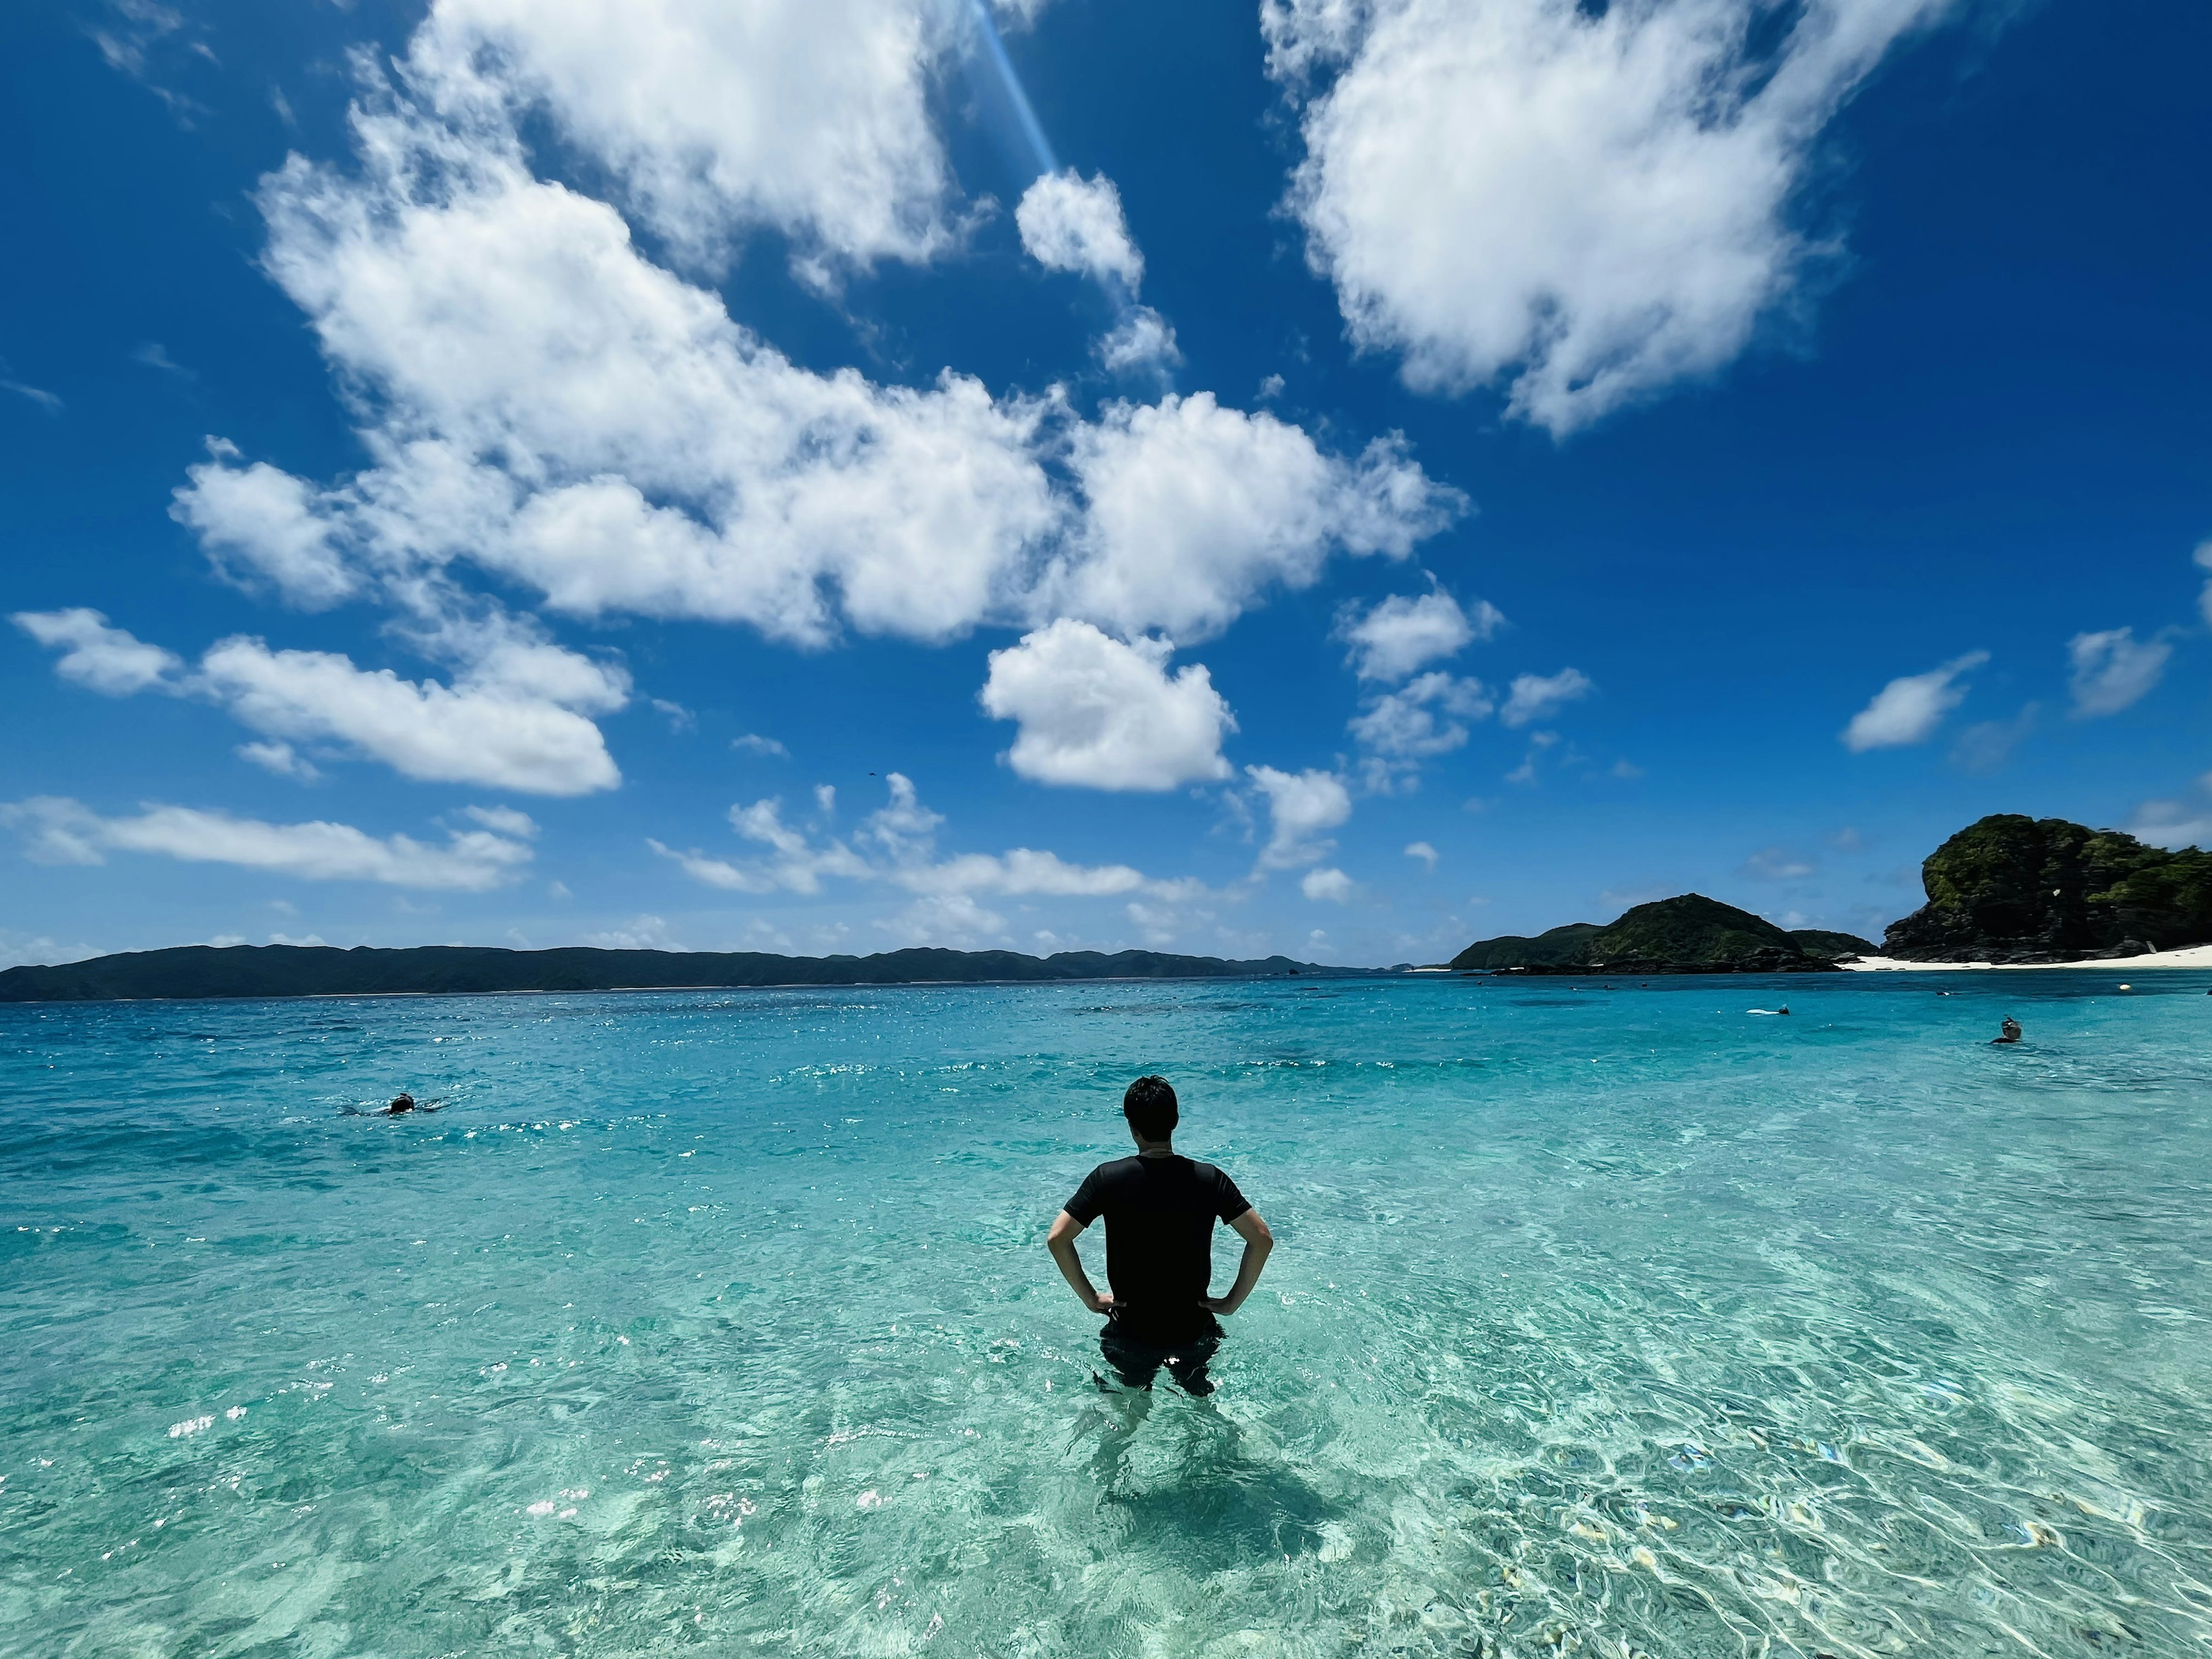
[[897, 846], [1985, 746], [1097, 712], [1070, 223], [1909, 707], [1300, 806], [2176, 822], [105, 659], [1422, 718], [1591, 202], [281, 758], [1194, 510], [58, 830], [1775, 864], [152, 353], [47, 401], [1399, 634], [515, 720], [809, 116], [753, 744], [503, 820], [546, 403], [2112, 671], [1142, 340], [716, 872], [540, 400], [40, 950], [1423, 851], [2202, 559], [638, 933], [1538, 696], [950, 920], [260, 525], [1332, 885]]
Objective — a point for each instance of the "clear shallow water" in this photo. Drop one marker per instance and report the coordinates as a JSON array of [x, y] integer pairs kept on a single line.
[[1601, 1322]]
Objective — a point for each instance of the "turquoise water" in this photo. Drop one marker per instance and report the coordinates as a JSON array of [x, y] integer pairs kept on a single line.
[[1602, 1321]]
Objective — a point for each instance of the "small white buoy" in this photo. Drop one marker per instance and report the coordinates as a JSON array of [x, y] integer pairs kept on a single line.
[[2127, 988]]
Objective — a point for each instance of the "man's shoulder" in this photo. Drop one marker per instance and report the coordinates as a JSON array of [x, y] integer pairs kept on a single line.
[[1115, 1169]]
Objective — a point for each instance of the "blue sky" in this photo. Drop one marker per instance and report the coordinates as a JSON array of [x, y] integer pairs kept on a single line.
[[1342, 479]]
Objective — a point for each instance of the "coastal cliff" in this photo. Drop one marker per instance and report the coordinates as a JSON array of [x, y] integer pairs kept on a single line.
[[2010, 888]]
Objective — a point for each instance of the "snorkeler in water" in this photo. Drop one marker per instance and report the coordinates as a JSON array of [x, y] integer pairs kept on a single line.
[[402, 1103], [2008, 1032]]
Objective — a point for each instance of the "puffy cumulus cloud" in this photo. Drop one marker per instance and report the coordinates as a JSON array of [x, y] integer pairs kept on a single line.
[[519, 723], [1104, 714], [109, 660], [1423, 851], [808, 116], [516, 715], [2113, 670], [1591, 202], [1425, 717], [1909, 709], [1399, 635], [58, 830], [1332, 885], [1142, 340], [897, 846], [1301, 806], [561, 410], [1534, 697], [545, 401], [260, 526], [1071, 223], [1194, 510]]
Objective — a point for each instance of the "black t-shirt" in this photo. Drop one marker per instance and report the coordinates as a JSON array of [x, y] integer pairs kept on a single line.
[[1159, 1215]]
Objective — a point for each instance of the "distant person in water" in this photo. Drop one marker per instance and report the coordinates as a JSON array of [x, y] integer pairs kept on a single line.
[[2007, 1032], [402, 1103], [1160, 1208]]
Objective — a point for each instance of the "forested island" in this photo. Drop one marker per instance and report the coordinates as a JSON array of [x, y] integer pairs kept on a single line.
[[2010, 888], [2006, 889], [1688, 934], [201, 971]]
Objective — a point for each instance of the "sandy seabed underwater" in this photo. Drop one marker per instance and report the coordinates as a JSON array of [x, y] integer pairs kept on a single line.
[[1602, 1322]]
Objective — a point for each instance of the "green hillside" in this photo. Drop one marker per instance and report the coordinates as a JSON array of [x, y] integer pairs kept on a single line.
[[291, 970], [1688, 934], [2010, 888]]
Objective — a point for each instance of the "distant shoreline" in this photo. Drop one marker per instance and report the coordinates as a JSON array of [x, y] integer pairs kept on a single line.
[[1321, 978], [2193, 956], [249, 972]]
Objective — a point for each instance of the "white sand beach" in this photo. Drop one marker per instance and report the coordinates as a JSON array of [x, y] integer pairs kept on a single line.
[[2194, 956]]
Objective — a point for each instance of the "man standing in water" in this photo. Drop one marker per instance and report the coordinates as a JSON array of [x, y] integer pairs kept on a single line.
[[1160, 1208]]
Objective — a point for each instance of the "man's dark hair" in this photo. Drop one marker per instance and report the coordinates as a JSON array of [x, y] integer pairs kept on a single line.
[[1150, 1106]]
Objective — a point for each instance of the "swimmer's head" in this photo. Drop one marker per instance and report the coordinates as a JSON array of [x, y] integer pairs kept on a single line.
[[1150, 1106]]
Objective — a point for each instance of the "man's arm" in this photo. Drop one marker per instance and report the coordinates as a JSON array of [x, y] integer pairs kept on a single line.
[[1061, 1240], [1258, 1241]]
